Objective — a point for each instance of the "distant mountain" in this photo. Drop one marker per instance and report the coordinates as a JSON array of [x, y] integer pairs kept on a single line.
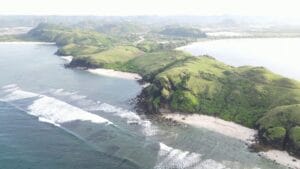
[[183, 32], [220, 22]]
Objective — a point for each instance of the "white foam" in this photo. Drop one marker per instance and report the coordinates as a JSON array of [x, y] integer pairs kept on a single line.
[[131, 117], [169, 158], [49, 109], [174, 158], [71, 95], [41, 119], [83, 102], [16, 94], [60, 112], [10, 86], [211, 164]]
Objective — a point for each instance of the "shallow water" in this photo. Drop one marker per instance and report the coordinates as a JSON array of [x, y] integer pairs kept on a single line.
[[52, 117], [281, 55]]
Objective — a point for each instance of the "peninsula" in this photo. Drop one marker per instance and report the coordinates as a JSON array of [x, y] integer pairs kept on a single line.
[[180, 82]]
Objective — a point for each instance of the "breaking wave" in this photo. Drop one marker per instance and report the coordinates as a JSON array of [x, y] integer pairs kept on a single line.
[[83, 102], [170, 158], [48, 109]]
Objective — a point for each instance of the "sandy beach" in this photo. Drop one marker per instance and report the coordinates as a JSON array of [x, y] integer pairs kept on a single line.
[[236, 131], [113, 73], [282, 157], [227, 128]]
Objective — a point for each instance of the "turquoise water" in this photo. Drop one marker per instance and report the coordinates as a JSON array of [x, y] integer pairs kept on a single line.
[[52, 117]]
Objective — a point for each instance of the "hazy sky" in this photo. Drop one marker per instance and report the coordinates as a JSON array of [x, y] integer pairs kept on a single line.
[[152, 7]]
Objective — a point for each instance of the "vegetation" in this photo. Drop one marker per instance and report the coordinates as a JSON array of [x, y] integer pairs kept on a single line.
[[183, 32], [275, 136], [64, 36], [151, 64], [285, 117], [294, 137], [153, 46], [111, 57], [251, 96]]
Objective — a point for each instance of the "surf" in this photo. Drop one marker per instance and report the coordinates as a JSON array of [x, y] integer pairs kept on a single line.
[[48, 109]]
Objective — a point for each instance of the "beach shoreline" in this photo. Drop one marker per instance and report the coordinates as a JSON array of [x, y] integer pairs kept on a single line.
[[114, 73], [233, 130], [215, 124]]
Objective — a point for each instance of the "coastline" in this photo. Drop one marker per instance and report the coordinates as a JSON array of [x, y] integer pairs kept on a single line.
[[27, 42], [281, 157], [235, 131], [114, 73], [215, 124], [212, 38], [98, 71]]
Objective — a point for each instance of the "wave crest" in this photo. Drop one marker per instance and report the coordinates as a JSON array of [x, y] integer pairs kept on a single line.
[[48, 109]]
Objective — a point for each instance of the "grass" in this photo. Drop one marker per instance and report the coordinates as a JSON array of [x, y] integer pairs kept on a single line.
[[78, 50], [251, 96], [294, 136], [65, 36], [183, 32], [276, 135], [150, 64], [115, 55]]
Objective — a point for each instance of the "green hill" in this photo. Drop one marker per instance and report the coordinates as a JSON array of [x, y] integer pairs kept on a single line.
[[64, 35], [109, 58], [251, 96], [183, 32]]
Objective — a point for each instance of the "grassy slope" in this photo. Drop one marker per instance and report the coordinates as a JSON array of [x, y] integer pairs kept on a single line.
[[252, 96], [64, 36], [88, 47], [150, 64], [113, 56]]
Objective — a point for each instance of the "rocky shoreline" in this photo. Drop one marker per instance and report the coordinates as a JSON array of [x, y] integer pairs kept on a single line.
[[230, 129]]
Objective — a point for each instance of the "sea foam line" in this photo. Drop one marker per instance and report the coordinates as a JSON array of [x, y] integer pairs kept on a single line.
[[90, 105], [60, 112], [49, 109], [169, 158]]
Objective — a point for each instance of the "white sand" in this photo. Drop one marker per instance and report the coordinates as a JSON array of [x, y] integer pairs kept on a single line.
[[28, 42], [227, 128], [282, 157], [236, 131], [113, 73]]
